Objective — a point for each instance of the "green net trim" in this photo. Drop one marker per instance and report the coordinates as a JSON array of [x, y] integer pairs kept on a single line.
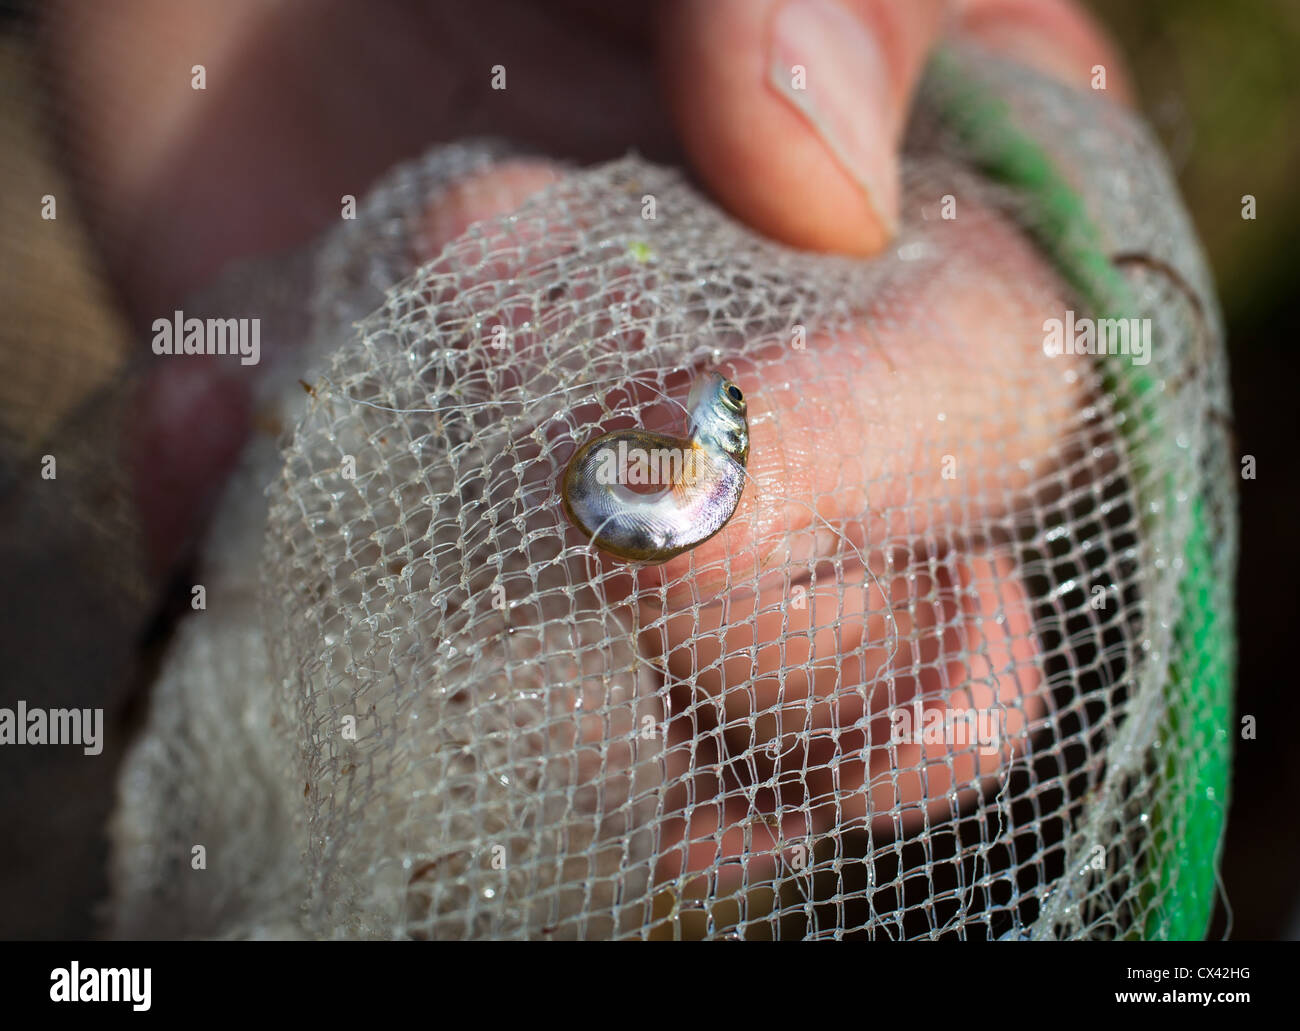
[[1193, 744]]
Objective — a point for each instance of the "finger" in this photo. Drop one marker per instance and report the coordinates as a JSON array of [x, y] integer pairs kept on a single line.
[[478, 198], [808, 731], [193, 421], [940, 412], [792, 111], [976, 685], [195, 415], [301, 104], [965, 340], [1056, 37]]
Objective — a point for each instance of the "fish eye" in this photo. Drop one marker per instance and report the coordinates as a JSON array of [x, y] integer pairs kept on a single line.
[[733, 392]]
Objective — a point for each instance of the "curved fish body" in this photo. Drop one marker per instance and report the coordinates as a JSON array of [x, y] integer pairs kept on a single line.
[[694, 483]]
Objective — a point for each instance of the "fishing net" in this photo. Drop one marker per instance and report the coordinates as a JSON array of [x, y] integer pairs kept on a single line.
[[959, 666]]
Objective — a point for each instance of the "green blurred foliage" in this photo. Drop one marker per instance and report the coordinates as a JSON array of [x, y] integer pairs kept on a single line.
[[1218, 79]]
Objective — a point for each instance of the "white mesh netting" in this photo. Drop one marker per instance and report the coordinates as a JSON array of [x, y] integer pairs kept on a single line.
[[938, 677]]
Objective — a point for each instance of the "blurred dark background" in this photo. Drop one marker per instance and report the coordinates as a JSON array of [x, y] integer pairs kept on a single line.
[[1218, 82]]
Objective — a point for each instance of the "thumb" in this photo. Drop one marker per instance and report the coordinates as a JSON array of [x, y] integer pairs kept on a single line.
[[791, 111]]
